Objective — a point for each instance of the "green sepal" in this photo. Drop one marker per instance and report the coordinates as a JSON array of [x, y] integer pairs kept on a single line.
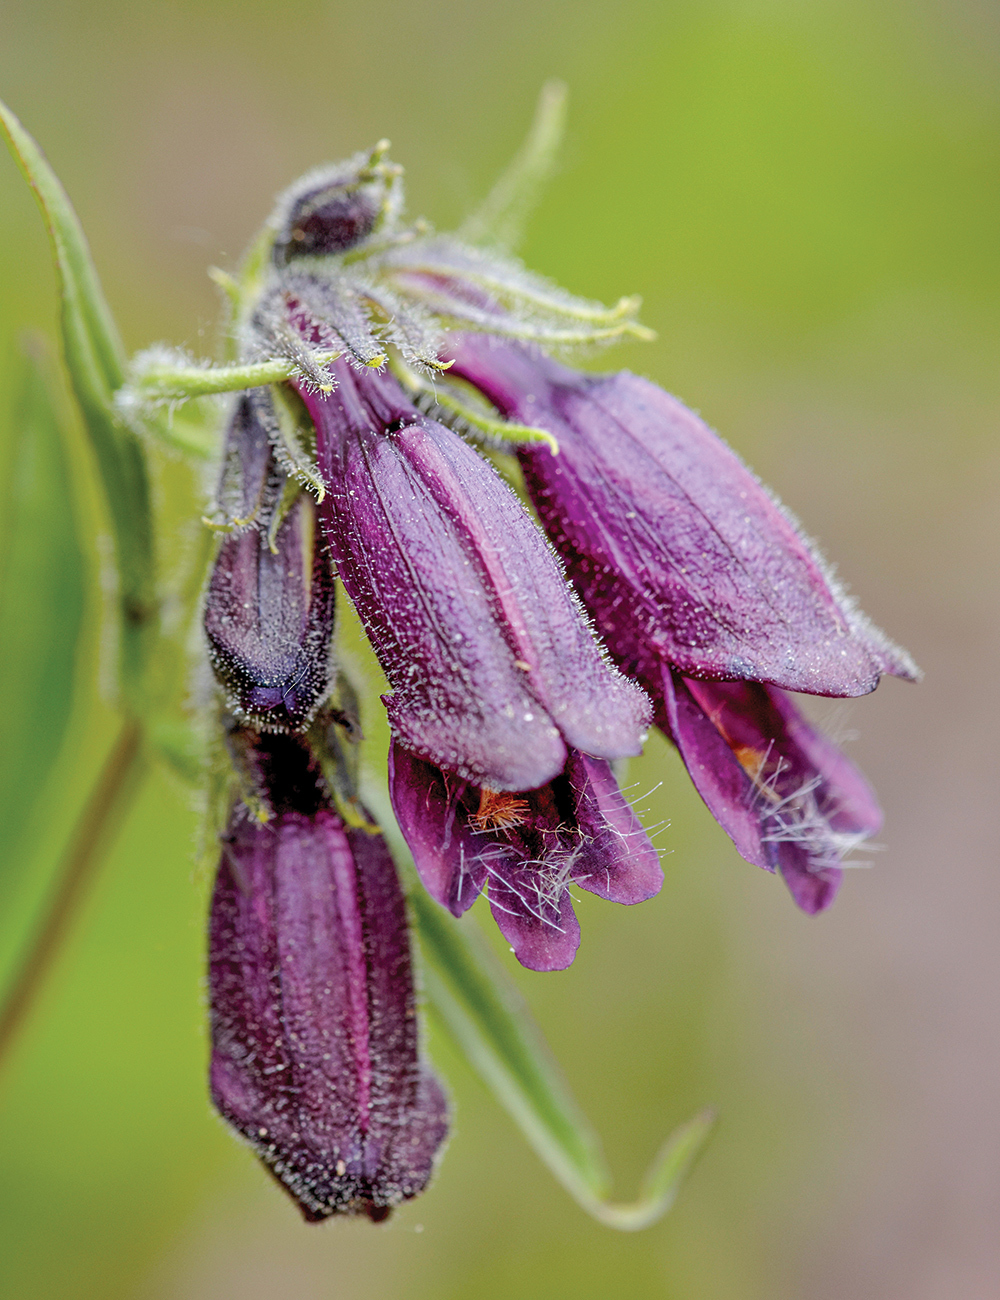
[[450, 409], [161, 377]]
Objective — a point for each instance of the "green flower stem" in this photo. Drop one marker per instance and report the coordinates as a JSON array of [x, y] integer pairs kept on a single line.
[[119, 779]]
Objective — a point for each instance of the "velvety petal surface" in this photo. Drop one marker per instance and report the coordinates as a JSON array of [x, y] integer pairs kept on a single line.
[[784, 793], [493, 666], [535, 915], [269, 620], [671, 541], [314, 1033]]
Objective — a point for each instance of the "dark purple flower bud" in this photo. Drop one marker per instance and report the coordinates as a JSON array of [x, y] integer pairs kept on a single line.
[[494, 668], [528, 846], [785, 794], [334, 209], [269, 619], [314, 1032], [676, 549], [269, 608]]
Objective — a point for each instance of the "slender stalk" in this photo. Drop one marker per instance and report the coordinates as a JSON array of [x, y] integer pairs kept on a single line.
[[102, 812]]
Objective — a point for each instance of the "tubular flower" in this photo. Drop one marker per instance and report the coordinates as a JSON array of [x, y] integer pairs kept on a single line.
[[314, 1031], [705, 592], [493, 667], [693, 599], [655, 581]]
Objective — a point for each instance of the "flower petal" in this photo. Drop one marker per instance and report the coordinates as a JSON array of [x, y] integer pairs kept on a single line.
[[534, 915], [670, 540], [528, 846], [616, 859], [491, 661], [314, 1035], [785, 794], [446, 851]]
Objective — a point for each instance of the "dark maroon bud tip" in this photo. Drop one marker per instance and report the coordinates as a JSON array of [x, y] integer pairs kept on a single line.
[[334, 209], [331, 221]]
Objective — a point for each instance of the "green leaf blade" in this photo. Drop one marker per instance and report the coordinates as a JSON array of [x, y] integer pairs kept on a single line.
[[484, 1016], [501, 217], [41, 613], [95, 362], [93, 346]]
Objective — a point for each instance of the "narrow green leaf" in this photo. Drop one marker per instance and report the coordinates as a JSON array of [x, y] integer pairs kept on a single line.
[[501, 217], [41, 611], [94, 359], [475, 1003], [663, 1180], [92, 343], [486, 1017]]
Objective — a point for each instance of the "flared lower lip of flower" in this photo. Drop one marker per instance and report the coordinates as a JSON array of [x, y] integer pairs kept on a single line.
[[527, 848], [493, 666], [788, 798], [315, 1056]]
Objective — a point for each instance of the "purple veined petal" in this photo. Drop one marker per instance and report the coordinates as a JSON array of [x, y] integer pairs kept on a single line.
[[671, 541], [493, 666], [432, 809], [269, 621], [616, 858], [314, 1036], [785, 794], [527, 847], [535, 915]]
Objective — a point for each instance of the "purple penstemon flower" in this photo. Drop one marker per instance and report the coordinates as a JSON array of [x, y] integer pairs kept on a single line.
[[698, 583], [663, 586], [530, 846], [505, 708]]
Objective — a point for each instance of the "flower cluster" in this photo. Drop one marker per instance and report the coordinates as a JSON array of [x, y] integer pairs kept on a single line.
[[665, 586]]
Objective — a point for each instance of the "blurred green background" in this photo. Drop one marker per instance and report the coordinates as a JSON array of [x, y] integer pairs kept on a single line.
[[806, 194]]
